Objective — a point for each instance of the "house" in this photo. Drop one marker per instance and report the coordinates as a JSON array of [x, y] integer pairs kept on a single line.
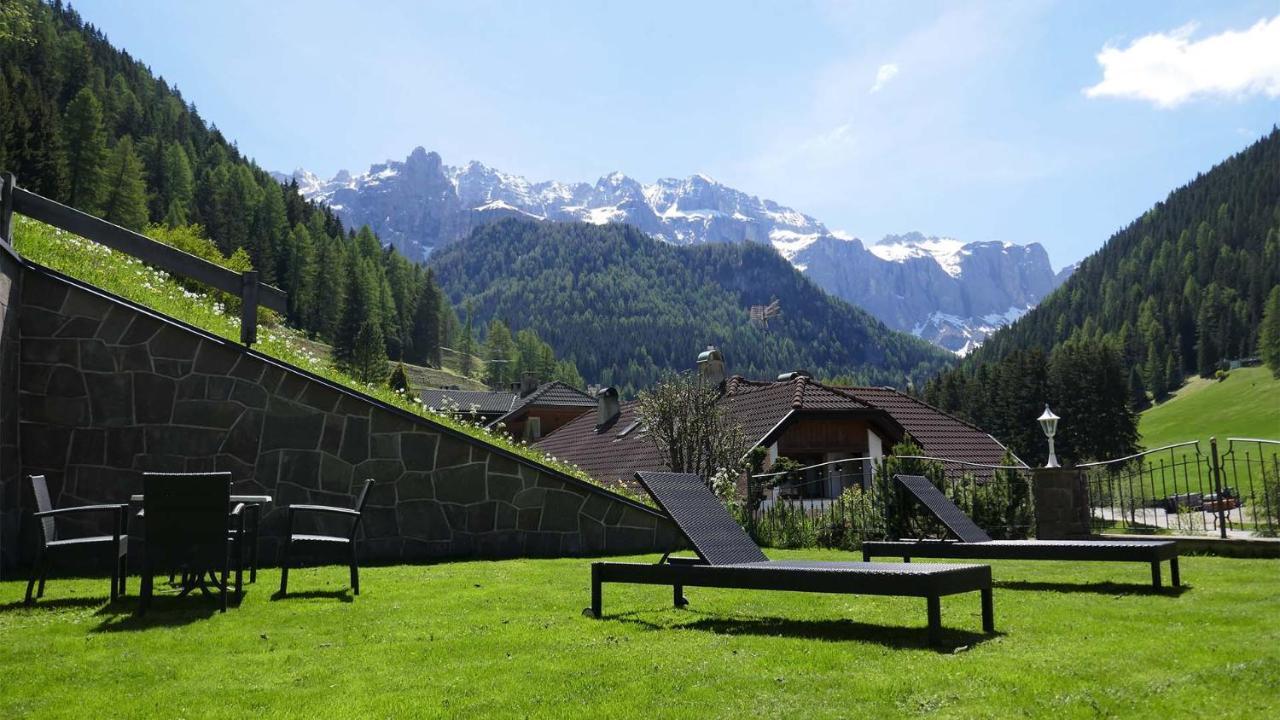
[[843, 431], [544, 410], [527, 411]]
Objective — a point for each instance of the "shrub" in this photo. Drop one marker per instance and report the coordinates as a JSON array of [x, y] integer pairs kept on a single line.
[[850, 520]]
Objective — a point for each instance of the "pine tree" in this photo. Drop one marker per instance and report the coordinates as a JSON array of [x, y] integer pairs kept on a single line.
[[425, 337], [86, 151], [268, 232], [399, 380], [1172, 375], [499, 353], [1269, 333], [125, 201], [356, 314], [1137, 390], [369, 361], [467, 344]]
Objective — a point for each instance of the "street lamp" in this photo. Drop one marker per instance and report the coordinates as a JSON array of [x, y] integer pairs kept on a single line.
[[1049, 423]]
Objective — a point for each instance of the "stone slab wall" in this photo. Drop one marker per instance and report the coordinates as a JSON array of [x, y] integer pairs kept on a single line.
[[10, 515], [1061, 500], [109, 390]]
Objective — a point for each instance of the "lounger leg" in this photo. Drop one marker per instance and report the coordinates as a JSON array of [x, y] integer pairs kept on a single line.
[[1155, 574], [935, 620], [678, 596], [124, 572], [906, 558], [866, 556], [988, 612], [44, 574], [1173, 572], [597, 600]]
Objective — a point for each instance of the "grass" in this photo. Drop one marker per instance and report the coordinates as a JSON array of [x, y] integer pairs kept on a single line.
[[507, 638], [419, 376], [1246, 404], [127, 277]]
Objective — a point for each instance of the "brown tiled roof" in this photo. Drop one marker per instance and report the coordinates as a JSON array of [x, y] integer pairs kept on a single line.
[[760, 406], [552, 394], [486, 402], [613, 453], [939, 434]]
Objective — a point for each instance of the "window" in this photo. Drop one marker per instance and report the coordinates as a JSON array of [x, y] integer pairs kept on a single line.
[[533, 428]]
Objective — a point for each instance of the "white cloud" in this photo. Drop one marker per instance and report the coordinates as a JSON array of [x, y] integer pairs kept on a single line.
[[1169, 69], [884, 75]]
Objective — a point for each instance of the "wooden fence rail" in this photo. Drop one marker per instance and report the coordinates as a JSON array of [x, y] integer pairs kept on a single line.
[[252, 293]]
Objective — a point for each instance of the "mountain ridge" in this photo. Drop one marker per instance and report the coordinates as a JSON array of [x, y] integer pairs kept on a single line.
[[627, 308], [421, 204]]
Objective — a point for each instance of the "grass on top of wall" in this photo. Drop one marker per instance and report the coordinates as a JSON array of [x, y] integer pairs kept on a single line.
[[130, 278]]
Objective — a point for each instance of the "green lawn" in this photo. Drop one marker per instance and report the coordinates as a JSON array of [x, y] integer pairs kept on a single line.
[[1246, 404], [507, 638]]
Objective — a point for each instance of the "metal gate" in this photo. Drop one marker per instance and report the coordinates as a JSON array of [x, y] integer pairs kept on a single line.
[[1231, 492]]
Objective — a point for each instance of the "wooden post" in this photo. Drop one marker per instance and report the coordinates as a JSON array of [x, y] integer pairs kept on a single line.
[[7, 181], [249, 307]]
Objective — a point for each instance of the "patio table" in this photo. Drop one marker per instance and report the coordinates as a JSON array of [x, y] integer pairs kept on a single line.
[[253, 503]]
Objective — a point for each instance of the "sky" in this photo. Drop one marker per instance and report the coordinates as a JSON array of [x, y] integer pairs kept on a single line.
[[1028, 121]]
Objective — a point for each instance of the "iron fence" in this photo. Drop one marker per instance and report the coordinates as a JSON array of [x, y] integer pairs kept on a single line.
[[1179, 488], [870, 507]]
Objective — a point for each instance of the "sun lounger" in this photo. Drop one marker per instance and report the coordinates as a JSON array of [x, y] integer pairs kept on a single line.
[[727, 558], [972, 543]]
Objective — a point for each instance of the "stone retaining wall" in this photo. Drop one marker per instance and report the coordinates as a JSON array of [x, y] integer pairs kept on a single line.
[[109, 390], [10, 516]]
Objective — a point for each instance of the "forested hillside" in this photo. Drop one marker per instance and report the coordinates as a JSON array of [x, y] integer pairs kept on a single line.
[[90, 126], [1179, 291], [625, 307]]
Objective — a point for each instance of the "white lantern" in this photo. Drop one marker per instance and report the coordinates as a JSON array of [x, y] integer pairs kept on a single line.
[[1049, 423]]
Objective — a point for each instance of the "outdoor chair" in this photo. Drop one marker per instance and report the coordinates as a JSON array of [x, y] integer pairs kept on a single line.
[[51, 542], [727, 558], [189, 531], [322, 540], [973, 543]]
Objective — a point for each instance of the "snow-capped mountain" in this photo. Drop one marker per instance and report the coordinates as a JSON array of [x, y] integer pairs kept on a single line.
[[947, 291], [944, 290]]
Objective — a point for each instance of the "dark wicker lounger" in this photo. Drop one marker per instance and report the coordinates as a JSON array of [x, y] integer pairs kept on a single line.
[[727, 558], [974, 543]]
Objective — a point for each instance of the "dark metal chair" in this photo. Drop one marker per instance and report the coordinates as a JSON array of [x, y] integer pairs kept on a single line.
[[49, 540], [188, 530], [975, 544], [348, 540], [728, 558]]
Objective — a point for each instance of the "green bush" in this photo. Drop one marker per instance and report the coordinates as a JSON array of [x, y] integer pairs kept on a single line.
[[851, 519]]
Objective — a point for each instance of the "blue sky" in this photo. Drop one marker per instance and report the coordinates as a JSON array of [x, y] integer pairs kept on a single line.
[[1027, 121]]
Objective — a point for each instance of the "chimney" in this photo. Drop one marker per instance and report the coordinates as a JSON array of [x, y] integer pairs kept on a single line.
[[789, 376], [711, 365], [528, 383], [606, 406]]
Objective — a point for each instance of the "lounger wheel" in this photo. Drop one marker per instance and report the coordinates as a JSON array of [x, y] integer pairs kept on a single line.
[[588, 612]]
